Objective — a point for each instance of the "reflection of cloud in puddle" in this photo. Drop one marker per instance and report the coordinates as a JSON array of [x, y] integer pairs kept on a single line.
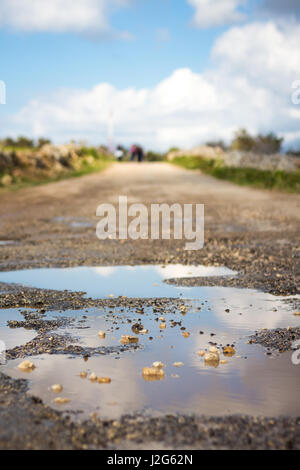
[[104, 271], [179, 271], [168, 271], [15, 336], [124, 389], [259, 310], [260, 386]]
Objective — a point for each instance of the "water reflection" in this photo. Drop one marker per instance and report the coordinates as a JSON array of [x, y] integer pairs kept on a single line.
[[250, 382], [131, 281]]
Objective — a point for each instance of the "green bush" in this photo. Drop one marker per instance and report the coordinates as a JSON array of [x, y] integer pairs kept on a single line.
[[155, 156], [244, 176]]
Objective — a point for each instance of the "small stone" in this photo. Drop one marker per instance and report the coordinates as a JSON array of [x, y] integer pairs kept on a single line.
[[93, 377], [56, 388], [212, 359], [162, 326], [153, 373], [61, 401], [213, 349], [201, 353], [297, 314], [223, 361], [158, 365], [128, 339], [229, 351], [83, 375], [103, 380], [185, 334], [26, 366], [101, 334], [178, 364]]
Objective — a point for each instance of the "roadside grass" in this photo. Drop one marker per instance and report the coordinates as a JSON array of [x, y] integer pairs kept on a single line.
[[100, 163], [278, 180]]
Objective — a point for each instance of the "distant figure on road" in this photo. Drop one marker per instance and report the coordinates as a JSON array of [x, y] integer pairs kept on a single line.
[[137, 153], [119, 153]]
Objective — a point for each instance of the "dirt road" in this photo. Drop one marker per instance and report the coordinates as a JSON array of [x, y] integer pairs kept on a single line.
[[251, 231]]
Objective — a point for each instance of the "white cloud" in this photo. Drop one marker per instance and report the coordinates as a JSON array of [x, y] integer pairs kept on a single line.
[[250, 85], [80, 16], [267, 54], [210, 13]]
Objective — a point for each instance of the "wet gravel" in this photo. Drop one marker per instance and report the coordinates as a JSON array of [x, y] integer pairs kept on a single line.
[[280, 339], [62, 344]]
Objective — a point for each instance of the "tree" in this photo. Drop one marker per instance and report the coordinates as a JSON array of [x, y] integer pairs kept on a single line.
[[268, 144], [42, 142], [262, 143], [217, 143], [243, 141], [24, 142]]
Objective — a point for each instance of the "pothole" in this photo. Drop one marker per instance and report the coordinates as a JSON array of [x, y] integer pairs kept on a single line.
[[248, 379]]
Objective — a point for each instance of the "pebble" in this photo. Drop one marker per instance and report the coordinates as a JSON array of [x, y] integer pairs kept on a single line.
[[201, 353], [229, 351], [56, 388], [178, 364], [153, 372], [101, 334], [158, 365], [61, 401], [212, 359], [103, 380], [93, 377], [26, 366], [128, 339]]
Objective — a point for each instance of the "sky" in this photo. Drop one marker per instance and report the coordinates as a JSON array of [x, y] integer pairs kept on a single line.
[[161, 73]]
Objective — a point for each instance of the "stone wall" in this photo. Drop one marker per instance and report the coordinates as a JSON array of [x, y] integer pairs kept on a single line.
[[48, 161], [240, 159]]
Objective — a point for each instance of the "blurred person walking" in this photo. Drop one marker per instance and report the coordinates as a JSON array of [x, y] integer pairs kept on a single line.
[[137, 152]]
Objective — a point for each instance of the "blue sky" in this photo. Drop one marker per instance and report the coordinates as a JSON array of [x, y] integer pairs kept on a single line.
[[142, 44], [49, 60]]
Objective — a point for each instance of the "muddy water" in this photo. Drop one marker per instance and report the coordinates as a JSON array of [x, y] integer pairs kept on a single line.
[[250, 382]]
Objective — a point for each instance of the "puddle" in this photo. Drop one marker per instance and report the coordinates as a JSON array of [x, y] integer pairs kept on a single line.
[[144, 281], [74, 222], [249, 383], [13, 336]]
